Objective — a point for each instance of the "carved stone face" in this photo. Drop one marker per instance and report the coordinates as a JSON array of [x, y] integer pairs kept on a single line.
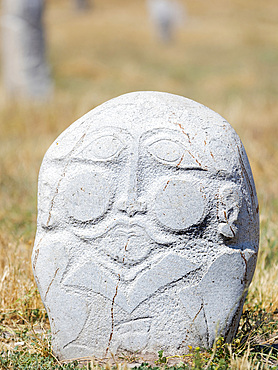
[[148, 191]]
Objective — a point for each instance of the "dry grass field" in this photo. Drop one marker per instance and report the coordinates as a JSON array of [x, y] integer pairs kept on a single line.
[[225, 57]]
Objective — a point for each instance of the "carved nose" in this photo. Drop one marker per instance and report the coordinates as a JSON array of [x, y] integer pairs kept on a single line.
[[132, 207], [129, 202]]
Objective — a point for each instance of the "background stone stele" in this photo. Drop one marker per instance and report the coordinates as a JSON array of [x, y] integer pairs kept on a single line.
[[25, 69], [148, 228]]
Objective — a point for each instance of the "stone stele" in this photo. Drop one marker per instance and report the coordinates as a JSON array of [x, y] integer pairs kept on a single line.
[[148, 229]]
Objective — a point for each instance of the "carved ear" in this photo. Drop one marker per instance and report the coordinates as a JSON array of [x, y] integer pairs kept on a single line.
[[230, 200]]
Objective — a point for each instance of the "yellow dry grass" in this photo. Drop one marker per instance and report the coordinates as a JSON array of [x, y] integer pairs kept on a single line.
[[225, 56]]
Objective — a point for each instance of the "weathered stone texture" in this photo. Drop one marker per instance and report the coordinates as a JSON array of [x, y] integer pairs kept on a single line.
[[148, 228]]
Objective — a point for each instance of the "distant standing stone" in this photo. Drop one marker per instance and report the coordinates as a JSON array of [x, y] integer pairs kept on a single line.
[[166, 16], [25, 70], [148, 228], [82, 5]]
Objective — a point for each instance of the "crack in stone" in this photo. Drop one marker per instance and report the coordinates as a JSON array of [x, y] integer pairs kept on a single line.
[[200, 309], [37, 251], [80, 141], [166, 185], [182, 128], [55, 194], [196, 160], [234, 235], [112, 306], [112, 316], [51, 283], [180, 160], [246, 267], [226, 219], [206, 321], [36, 256]]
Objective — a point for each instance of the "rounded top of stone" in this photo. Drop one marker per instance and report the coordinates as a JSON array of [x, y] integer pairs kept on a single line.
[[207, 136]]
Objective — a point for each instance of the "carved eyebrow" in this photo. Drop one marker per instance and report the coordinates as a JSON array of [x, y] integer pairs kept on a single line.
[[110, 130], [119, 132], [162, 133]]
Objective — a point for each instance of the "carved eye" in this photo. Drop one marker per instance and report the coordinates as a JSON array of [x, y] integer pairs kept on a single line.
[[106, 147], [87, 196], [166, 150], [179, 204]]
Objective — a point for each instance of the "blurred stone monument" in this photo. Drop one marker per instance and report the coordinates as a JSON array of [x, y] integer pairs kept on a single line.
[[25, 70], [148, 229], [82, 5], [166, 16]]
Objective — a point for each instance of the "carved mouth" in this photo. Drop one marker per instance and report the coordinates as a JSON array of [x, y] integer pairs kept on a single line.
[[126, 228], [128, 233], [137, 229], [129, 229]]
